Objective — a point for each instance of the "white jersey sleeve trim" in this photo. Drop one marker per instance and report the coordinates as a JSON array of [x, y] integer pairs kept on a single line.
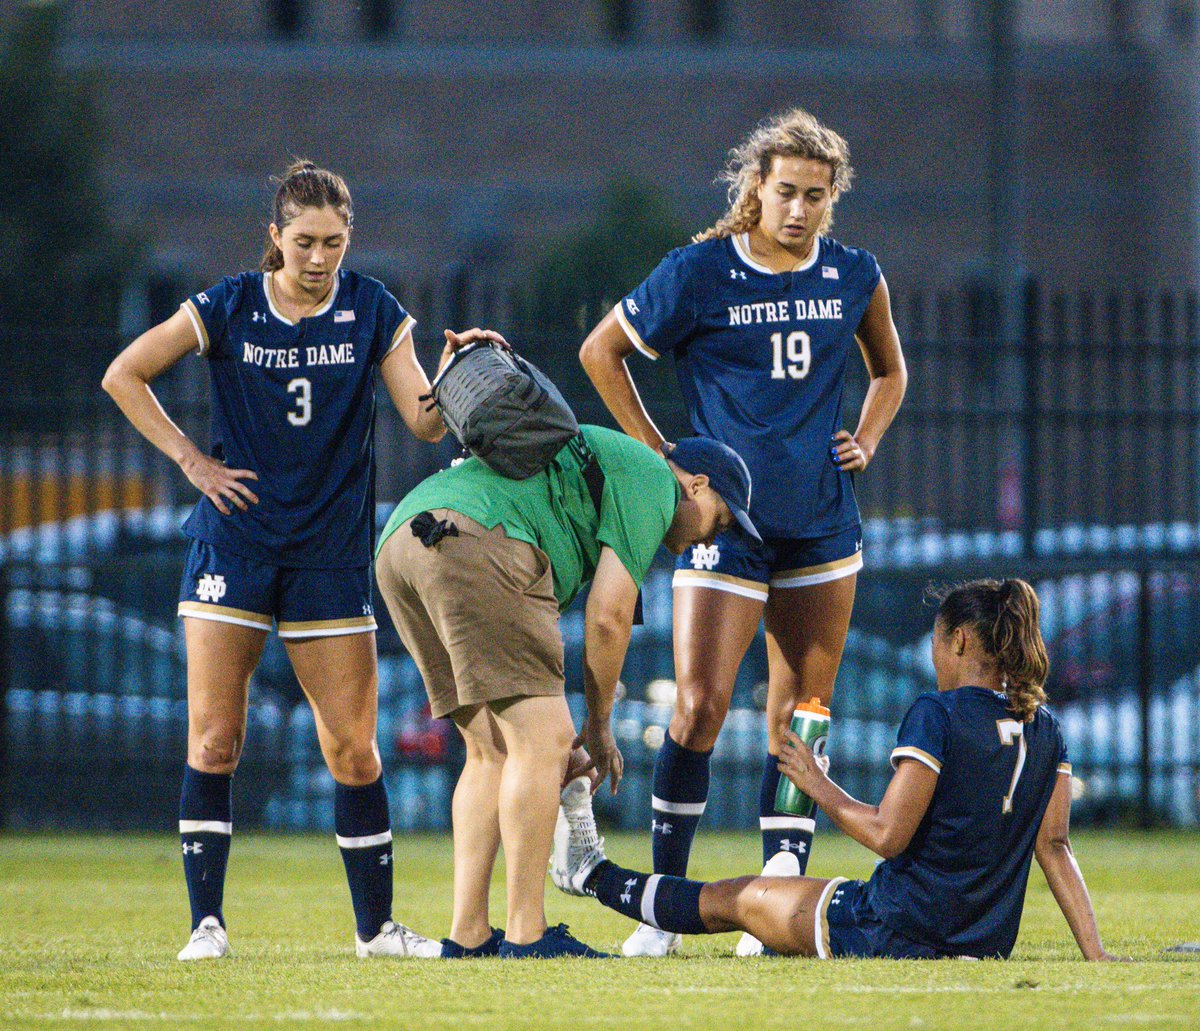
[[634, 337], [198, 326], [912, 752], [402, 330]]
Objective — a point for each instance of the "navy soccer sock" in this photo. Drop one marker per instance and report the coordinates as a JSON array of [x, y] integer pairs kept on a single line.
[[668, 903], [363, 827], [680, 795], [205, 832], [781, 832]]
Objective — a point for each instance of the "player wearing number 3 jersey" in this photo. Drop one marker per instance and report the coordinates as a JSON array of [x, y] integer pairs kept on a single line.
[[761, 315], [282, 534]]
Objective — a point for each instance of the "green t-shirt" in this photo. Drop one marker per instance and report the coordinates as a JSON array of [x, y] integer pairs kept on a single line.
[[554, 511]]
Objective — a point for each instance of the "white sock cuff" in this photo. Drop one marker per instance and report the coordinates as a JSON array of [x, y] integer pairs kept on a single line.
[[205, 827], [366, 841], [661, 805], [648, 894], [787, 823]]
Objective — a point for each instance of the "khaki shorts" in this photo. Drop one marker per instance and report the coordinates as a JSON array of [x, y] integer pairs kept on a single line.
[[476, 612]]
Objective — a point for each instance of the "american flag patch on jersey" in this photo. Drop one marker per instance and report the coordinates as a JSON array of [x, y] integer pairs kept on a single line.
[[829, 272], [343, 316]]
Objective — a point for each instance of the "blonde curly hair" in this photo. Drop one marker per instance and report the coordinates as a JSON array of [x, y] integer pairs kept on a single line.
[[794, 133]]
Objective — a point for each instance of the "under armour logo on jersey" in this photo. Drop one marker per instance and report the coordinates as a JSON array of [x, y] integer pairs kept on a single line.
[[631, 305], [736, 273], [258, 316], [706, 556], [367, 610], [627, 894], [194, 848], [664, 827], [385, 859], [203, 298], [837, 896], [211, 588], [829, 272], [787, 845], [343, 316]]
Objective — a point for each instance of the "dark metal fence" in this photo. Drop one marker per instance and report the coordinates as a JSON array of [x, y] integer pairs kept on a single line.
[[1070, 458]]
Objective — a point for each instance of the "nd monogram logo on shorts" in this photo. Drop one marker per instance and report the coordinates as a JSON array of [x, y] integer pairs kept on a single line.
[[210, 588], [706, 556]]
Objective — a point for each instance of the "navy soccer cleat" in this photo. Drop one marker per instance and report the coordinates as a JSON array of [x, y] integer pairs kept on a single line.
[[555, 943]]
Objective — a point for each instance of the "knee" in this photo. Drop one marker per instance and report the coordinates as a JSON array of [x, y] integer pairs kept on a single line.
[[215, 750], [354, 761], [698, 717]]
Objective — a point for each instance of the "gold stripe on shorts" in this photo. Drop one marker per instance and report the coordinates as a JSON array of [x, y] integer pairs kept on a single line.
[[701, 576], [327, 627], [821, 930], [840, 567], [224, 614]]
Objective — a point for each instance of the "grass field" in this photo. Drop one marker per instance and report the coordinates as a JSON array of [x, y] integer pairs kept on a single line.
[[90, 926]]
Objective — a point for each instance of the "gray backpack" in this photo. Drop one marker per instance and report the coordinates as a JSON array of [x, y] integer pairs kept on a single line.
[[503, 409]]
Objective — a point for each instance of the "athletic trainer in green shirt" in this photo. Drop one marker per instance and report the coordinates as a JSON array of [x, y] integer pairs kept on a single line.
[[475, 568]]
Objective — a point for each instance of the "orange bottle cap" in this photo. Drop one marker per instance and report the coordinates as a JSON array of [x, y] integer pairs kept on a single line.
[[813, 705]]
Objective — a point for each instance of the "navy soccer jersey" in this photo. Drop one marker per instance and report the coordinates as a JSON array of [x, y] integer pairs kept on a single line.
[[295, 403], [761, 360], [960, 885]]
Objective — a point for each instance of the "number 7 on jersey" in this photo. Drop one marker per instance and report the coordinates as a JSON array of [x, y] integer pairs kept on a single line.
[[1012, 732]]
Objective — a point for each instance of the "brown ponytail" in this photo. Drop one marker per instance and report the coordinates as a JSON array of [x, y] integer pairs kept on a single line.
[[304, 185], [1004, 615]]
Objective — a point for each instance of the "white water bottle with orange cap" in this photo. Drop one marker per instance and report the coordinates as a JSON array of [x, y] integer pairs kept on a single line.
[[810, 723]]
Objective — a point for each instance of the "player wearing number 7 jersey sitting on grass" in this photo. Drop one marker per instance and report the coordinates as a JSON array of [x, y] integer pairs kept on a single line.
[[761, 314], [981, 784], [282, 535]]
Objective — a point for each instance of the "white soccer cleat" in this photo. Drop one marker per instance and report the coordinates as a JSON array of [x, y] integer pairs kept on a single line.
[[395, 939], [208, 941], [578, 848], [650, 941], [782, 864]]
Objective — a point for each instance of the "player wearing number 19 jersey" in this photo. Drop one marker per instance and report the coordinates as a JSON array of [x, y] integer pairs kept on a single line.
[[761, 314], [761, 359]]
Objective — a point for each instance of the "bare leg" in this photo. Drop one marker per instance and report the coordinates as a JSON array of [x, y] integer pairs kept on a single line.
[[338, 674], [221, 657], [712, 630], [537, 734], [806, 633], [779, 911], [476, 824]]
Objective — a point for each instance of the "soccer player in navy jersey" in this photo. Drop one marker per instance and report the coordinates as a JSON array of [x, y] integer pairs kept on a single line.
[[982, 783], [761, 313], [283, 533]]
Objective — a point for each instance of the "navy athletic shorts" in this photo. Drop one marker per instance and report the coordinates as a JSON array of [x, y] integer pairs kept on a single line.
[[740, 565], [848, 926], [229, 588]]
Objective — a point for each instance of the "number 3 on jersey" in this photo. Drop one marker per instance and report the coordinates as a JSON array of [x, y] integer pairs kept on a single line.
[[302, 388], [1012, 732], [799, 355]]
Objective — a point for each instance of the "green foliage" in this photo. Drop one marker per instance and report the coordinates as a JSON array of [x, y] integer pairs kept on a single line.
[[60, 263], [584, 274], [580, 278], [92, 924]]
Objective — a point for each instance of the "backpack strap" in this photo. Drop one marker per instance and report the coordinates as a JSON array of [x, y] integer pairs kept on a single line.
[[593, 476]]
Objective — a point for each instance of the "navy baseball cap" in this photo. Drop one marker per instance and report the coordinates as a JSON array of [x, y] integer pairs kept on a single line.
[[727, 474]]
